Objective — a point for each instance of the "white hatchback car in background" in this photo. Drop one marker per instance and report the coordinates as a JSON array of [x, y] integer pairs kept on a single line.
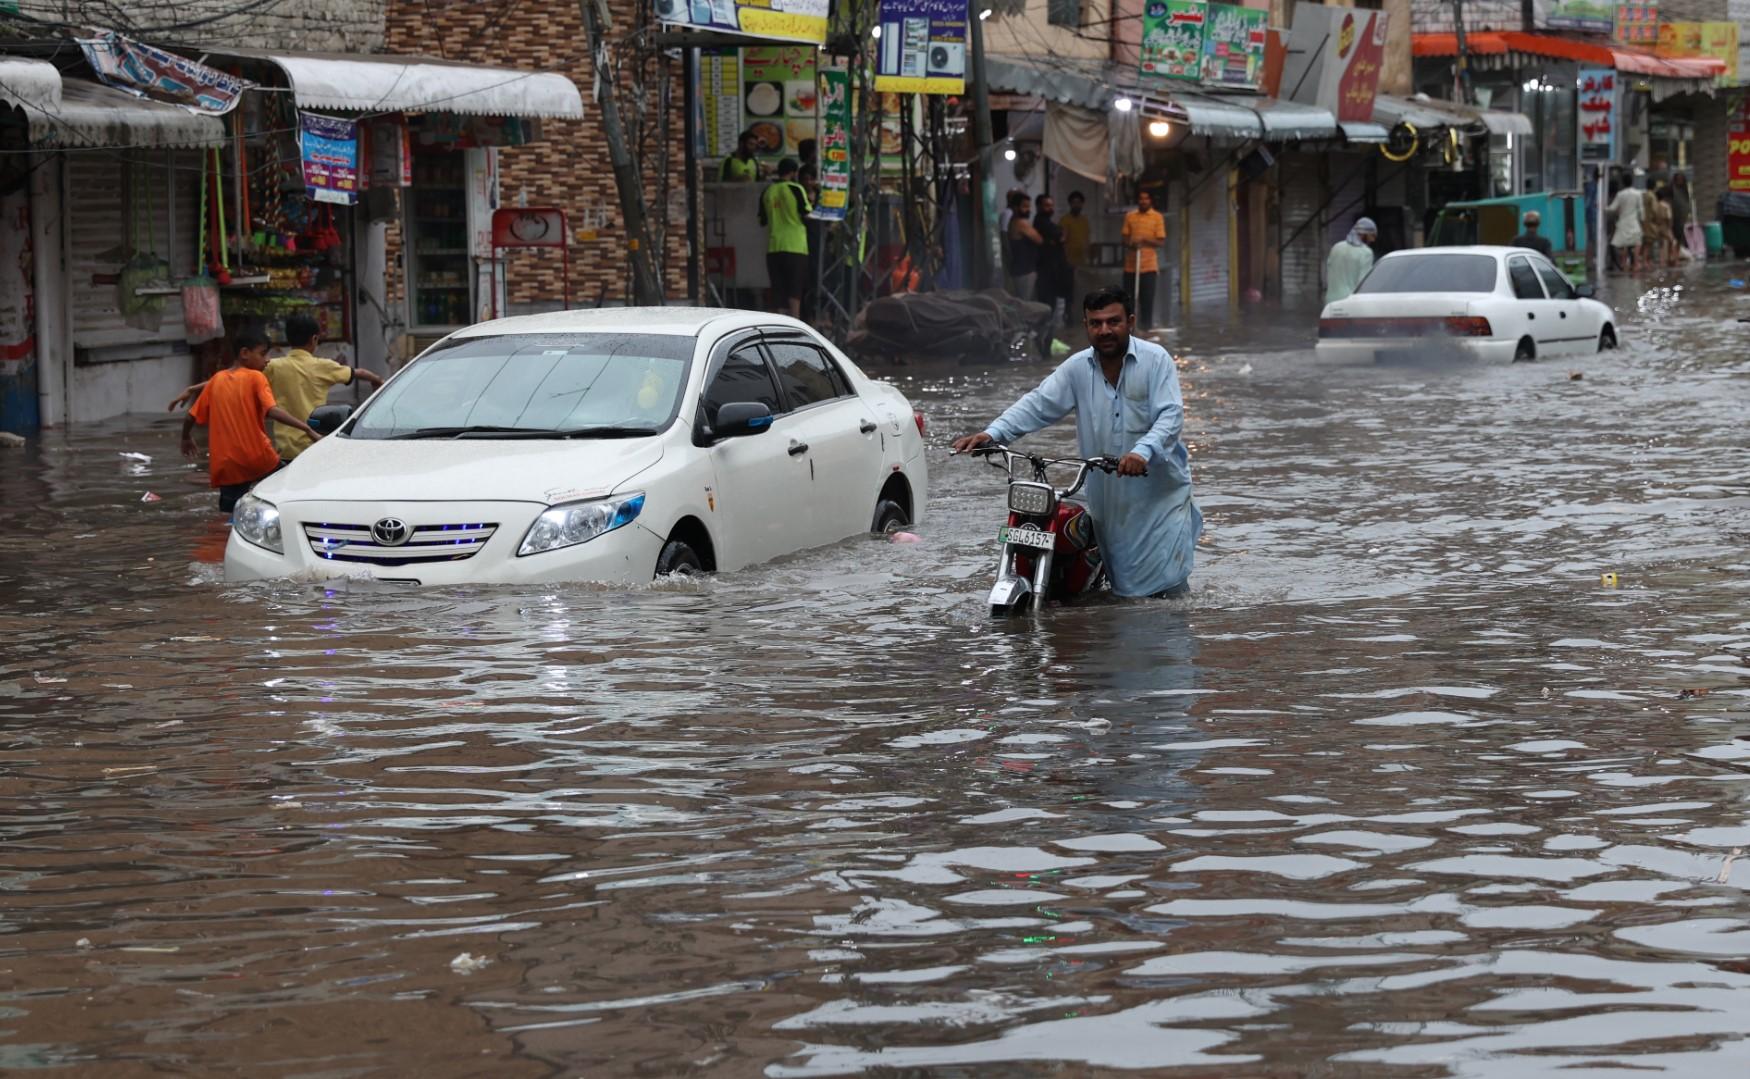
[[607, 445], [1491, 303]]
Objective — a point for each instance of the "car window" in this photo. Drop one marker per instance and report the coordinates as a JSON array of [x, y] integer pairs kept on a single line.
[[807, 373], [1553, 280], [1524, 279], [743, 377], [1431, 273]]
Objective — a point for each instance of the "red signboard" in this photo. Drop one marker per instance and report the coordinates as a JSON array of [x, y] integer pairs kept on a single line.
[[1738, 147], [529, 226], [1361, 48]]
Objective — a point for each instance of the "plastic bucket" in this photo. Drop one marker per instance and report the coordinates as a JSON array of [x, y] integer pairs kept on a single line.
[[1716, 237]]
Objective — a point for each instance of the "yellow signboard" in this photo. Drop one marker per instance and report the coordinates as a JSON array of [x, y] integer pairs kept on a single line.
[[1711, 40]]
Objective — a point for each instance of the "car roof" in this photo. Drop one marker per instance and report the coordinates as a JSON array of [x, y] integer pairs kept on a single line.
[[1494, 250], [675, 321]]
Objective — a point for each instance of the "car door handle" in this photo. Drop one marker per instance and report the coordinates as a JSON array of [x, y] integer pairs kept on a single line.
[[797, 449], [1531, 316], [866, 427], [1564, 314]]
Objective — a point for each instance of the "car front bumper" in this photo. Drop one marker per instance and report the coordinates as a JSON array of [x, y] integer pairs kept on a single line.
[[626, 555], [1428, 349]]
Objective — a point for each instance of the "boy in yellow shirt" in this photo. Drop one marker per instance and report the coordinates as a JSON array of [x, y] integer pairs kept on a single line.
[[300, 380]]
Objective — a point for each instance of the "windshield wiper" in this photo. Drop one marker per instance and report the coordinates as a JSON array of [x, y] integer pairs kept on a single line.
[[607, 431], [476, 429], [492, 432]]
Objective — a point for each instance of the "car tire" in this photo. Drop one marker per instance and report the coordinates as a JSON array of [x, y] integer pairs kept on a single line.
[[1525, 352], [1606, 339], [890, 517], [679, 557]]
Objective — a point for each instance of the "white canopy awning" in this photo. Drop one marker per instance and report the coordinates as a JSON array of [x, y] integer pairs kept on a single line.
[[72, 114], [369, 83]]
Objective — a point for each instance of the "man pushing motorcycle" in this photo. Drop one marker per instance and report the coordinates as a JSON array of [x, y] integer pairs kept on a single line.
[[1125, 394]]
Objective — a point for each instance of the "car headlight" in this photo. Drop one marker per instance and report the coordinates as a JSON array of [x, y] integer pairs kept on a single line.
[[580, 522], [258, 521]]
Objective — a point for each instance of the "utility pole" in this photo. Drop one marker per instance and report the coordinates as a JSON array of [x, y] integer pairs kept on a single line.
[[984, 271], [646, 292], [1461, 66]]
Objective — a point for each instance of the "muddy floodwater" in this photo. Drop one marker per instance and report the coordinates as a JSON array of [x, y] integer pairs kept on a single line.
[[1404, 789]]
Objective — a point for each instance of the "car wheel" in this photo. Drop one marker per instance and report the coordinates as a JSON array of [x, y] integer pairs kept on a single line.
[[890, 517], [1525, 351], [1606, 339], [678, 557]]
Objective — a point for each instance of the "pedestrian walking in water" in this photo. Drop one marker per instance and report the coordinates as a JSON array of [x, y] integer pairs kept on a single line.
[[1625, 215], [233, 408], [783, 208], [1350, 260], [1056, 279], [1682, 212], [1023, 245], [1145, 230]]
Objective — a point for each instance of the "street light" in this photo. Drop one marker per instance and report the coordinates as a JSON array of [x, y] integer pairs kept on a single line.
[[1159, 129], [875, 32], [1123, 104], [1009, 154], [983, 15]]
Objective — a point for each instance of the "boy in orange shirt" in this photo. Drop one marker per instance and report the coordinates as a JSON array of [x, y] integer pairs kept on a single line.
[[233, 408]]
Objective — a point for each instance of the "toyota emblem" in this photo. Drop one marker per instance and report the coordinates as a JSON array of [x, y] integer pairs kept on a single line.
[[391, 532]]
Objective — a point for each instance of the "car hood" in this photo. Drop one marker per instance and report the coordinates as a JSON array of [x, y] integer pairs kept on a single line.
[[339, 469]]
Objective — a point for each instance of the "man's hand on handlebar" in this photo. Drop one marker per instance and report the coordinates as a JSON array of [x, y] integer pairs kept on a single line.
[[969, 443], [1132, 464]]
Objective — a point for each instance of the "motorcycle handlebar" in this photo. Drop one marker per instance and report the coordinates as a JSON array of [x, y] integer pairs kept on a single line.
[[1082, 465]]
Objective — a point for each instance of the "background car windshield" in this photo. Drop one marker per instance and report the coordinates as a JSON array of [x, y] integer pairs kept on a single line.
[[538, 382], [1432, 273]]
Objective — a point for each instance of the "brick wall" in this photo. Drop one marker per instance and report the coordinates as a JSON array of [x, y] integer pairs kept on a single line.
[[569, 166], [302, 25]]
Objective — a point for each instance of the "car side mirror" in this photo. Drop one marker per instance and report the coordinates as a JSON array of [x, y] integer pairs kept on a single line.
[[328, 418], [1586, 292], [738, 418]]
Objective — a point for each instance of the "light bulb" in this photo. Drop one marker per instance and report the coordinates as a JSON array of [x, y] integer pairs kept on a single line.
[[1009, 154], [1159, 129], [1122, 104], [875, 32], [983, 15]]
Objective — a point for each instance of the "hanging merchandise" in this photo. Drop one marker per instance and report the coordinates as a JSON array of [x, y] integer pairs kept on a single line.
[[201, 319], [329, 147]]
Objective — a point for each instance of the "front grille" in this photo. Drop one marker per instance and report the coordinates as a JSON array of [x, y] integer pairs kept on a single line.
[[428, 543]]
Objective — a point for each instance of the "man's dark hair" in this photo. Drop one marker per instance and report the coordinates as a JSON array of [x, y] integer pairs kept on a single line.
[[300, 330], [1077, 196], [787, 167], [1016, 197], [249, 337], [745, 135], [1106, 297], [806, 150]]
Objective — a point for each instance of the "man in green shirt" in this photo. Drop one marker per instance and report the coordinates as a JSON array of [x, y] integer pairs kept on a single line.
[[782, 208], [740, 167]]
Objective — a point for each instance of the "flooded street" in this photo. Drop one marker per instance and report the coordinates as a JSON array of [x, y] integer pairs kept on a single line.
[[1402, 789]]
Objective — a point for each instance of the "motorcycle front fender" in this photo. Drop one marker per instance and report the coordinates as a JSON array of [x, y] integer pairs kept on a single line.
[[1009, 591]]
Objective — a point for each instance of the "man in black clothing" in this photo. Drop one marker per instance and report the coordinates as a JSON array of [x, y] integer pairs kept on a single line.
[[1530, 238], [1056, 279]]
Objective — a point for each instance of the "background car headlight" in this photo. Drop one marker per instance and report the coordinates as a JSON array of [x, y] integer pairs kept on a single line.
[[580, 522], [258, 521]]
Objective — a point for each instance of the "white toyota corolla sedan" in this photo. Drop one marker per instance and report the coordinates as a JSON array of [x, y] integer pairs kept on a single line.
[[1492, 303], [608, 445]]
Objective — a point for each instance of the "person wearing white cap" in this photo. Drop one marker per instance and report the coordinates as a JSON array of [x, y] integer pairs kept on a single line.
[[1350, 260]]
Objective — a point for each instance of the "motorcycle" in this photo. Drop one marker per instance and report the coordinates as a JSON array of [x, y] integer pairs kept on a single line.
[[1049, 550]]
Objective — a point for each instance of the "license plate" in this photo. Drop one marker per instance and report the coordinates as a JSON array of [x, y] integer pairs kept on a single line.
[[1027, 537]]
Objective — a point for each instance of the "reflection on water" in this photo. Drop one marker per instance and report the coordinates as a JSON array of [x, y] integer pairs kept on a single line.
[[1402, 789]]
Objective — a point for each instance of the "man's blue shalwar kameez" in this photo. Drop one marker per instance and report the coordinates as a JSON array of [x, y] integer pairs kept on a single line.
[[1147, 525]]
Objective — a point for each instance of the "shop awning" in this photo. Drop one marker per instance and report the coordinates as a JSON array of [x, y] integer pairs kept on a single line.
[[1267, 119], [1064, 85], [1428, 113], [70, 114], [1549, 46], [29, 83], [370, 83]]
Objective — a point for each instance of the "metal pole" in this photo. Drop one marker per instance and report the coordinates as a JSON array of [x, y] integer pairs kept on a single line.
[[646, 292], [984, 191], [1461, 67], [691, 99]]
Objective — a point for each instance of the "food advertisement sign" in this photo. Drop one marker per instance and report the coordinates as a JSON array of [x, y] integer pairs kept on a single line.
[[1233, 45], [1637, 24], [719, 101], [1738, 147], [778, 97], [1172, 38], [786, 20], [835, 144], [1711, 40], [1597, 114], [922, 49]]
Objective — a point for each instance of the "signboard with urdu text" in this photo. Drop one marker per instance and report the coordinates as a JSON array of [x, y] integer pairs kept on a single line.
[[1637, 23], [1597, 114], [784, 20], [1172, 38], [1233, 45], [1334, 59], [922, 48], [835, 143], [1711, 40], [329, 147], [1738, 147], [146, 72], [1586, 16]]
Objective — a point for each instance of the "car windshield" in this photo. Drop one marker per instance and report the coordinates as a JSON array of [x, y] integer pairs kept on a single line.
[[549, 385], [1431, 273]]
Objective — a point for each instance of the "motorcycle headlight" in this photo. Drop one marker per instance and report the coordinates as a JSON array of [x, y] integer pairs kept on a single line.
[[1032, 499], [580, 522], [258, 521]]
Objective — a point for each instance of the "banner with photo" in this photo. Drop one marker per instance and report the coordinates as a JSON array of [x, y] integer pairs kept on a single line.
[[1637, 23], [922, 49], [1172, 39], [784, 20], [1233, 46], [143, 71], [1586, 16]]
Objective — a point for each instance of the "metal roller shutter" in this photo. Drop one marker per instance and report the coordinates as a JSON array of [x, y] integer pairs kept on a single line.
[[1302, 195], [101, 235], [1211, 218], [1349, 195]]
